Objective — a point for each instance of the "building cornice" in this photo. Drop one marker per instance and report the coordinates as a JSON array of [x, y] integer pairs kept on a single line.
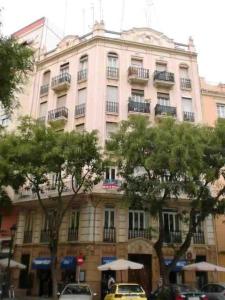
[[207, 92], [120, 42]]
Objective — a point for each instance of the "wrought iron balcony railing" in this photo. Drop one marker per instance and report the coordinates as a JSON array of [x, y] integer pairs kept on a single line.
[[109, 235], [112, 107], [112, 72], [44, 90], [172, 237], [185, 83], [60, 113], [72, 234], [164, 76], [27, 238], [80, 110], [136, 233], [82, 75], [45, 236], [199, 238], [62, 81], [142, 107], [165, 110], [139, 73], [188, 116]]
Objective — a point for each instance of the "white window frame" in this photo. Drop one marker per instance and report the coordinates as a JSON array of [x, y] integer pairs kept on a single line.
[[165, 101], [112, 60], [220, 108], [110, 172], [111, 217], [74, 214], [138, 213], [172, 222]]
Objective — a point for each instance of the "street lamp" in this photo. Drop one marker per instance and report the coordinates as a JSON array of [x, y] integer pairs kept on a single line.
[[13, 232]]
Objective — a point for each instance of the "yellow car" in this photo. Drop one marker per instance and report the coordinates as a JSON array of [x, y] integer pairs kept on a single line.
[[126, 291]]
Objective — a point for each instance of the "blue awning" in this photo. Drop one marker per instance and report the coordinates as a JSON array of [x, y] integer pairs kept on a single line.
[[68, 263], [108, 259], [41, 263], [179, 265]]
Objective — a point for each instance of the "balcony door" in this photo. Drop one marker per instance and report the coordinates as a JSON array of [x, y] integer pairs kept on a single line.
[[171, 221], [109, 220], [136, 220], [137, 95], [163, 99]]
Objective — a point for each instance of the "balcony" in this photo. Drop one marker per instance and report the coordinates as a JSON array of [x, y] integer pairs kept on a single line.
[[45, 236], [137, 233], [138, 107], [109, 235], [112, 107], [138, 75], [27, 238], [82, 75], [198, 238], [73, 234], [164, 110], [44, 90], [111, 184], [112, 73], [185, 84], [188, 116], [80, 110], [172, 237], [163, 79], [58, 114], [61, 82]]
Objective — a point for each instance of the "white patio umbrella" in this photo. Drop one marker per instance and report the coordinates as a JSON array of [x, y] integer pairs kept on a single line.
[[120, 265], [13, 264], [204, 266]]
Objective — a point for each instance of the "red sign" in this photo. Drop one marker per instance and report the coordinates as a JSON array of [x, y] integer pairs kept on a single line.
[[80, 260]]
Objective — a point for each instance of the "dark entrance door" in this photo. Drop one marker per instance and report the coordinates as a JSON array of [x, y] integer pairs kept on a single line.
[[24, 277], [201, 277], [45, 287], [104, 282], [144, 276]]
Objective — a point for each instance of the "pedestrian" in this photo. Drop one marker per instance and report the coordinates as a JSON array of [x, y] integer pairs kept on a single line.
[[111, 281]]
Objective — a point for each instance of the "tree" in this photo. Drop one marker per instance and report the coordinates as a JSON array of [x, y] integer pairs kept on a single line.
[[36, 152], [15, 63], [167, 162]]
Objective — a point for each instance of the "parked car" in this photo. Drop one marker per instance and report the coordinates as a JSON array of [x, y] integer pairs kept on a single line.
[[215, 291], [125, 291], [75, 291], [180, 292]]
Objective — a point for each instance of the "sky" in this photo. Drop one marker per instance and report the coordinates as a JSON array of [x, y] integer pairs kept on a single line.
[[178, 19]]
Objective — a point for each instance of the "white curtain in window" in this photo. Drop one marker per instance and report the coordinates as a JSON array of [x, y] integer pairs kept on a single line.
[[183, 72], [43, 109], [112, 61], [163, 99], [137, 63], [112, 93], [187, 104], [82, 96], [161, 67], [61, 101]]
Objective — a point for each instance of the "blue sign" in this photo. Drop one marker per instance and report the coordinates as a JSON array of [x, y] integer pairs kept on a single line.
[[179, 265], [108, 259], [68, 263], [41, 263]]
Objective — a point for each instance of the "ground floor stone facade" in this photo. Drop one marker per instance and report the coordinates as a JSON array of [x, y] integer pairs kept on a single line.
[[94, 254]]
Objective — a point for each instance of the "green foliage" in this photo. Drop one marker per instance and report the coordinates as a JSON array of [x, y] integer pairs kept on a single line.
[[15, 62], [167, 162], [36, 151]]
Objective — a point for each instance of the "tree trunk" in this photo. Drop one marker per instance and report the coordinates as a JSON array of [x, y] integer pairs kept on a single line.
[[53, 252]]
